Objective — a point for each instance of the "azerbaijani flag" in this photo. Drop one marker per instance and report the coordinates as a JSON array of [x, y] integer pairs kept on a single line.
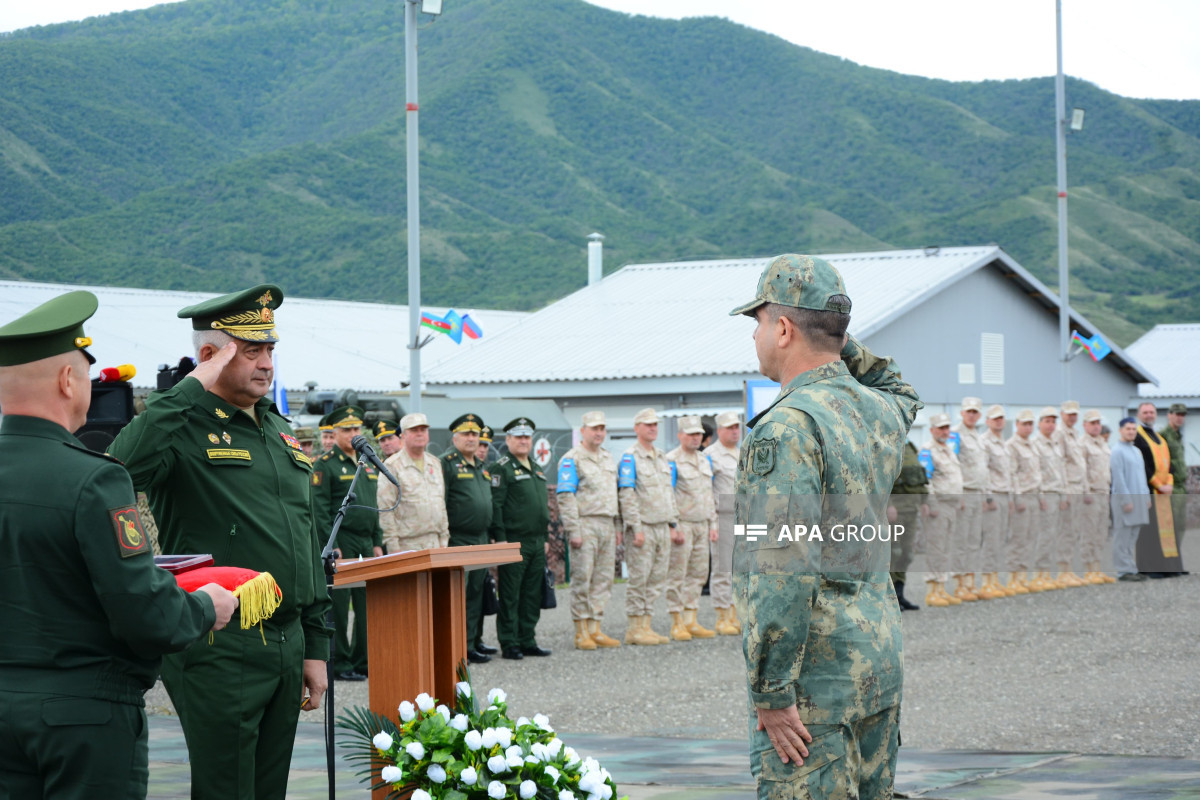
[[435, 323]]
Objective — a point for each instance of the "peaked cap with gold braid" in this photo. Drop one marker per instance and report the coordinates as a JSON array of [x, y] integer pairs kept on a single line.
[[248, 315]]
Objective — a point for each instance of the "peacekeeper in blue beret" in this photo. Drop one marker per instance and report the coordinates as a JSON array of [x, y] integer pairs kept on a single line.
[[225, 475], [821, 633], [87, 614]]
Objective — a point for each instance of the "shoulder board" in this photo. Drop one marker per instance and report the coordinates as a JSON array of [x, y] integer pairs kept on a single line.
[[81, 448], [327, 456], [503, 460]]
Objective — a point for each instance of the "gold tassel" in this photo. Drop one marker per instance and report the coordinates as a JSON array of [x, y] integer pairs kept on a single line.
[[258, 598]]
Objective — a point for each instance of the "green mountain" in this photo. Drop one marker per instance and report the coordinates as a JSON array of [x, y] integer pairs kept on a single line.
[[211, 143]]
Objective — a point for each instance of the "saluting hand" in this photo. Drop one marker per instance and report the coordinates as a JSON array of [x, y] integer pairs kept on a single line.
[[208, 371], [224, 603]]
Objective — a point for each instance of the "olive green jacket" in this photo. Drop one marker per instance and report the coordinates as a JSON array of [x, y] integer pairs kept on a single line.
[[520, 501], [332, 475], [468, 497]]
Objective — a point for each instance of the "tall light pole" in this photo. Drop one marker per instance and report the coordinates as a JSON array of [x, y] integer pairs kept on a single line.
[[1064, 322]]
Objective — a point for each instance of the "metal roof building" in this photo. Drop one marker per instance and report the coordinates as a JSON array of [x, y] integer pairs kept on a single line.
[[338, 344], [959, 321], [1170, 351]]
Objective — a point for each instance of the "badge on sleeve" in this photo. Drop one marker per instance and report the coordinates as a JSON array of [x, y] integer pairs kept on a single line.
[[762, 456], [318, 475], [131, 534], [496, 481]]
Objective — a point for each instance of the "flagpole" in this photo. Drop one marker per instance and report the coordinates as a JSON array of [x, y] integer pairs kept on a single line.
[[414, 206]]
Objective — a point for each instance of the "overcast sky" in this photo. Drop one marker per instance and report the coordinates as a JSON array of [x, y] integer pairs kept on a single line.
[[1145, 48]]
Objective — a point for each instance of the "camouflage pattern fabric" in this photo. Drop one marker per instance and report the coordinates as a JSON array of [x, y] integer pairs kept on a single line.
[[720, 582], [697, 508], [419, 522], [1027, 484]]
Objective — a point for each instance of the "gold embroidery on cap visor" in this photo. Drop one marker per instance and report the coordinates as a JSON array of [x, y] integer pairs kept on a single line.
[[467, 427], [349, 422], [251, 326]]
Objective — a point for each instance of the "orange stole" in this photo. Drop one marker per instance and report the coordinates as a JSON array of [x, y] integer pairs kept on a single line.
[[1162, 502]]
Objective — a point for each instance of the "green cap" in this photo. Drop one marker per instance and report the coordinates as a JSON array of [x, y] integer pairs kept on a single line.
[[345, 417], [383, 428], [247, 315], [1178, 408], [521, 426], [467, 423], [799, 282], [53, 328]]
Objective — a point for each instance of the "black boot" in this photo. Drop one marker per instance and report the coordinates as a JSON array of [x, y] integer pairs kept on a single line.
[[904, 604]]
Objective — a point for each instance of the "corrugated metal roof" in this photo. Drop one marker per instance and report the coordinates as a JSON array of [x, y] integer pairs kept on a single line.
[[672, 319], [338, 344], [1170, 352]]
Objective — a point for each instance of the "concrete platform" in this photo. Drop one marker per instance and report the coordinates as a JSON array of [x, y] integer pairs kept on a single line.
[[712, 769]]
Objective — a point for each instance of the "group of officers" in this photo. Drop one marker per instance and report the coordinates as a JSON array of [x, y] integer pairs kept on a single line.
[[1039, 502]]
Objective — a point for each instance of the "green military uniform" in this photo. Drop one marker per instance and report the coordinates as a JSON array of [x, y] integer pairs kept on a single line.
[[237, 486], [1179, 475], [87, 615], [359, 535], [822, 628], [469, 509], [907, 497], [520, 513]]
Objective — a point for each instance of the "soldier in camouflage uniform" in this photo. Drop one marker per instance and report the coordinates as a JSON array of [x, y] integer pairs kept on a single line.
[[1172, 434], [909, 503], [647, 502], [724, 455], [1099, 478], [1050, 512], [1074, 518], [420, 521], [997, 505], [688, 569], [587, 506], [946, 501], [1027, 503], [822, 649], [968, 533]]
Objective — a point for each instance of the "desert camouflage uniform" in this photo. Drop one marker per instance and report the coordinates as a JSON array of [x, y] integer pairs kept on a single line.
[[1099, 481], [647, 503], [419, 522], [587, 508], [697, 509], [945, 500], [969, 529], [827, 642], [997, 504], [1048, 522], [720, 582], [1026, 487], [1073, 520]]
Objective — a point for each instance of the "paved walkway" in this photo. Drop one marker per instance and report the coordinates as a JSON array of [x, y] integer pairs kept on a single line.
[[709, 769]]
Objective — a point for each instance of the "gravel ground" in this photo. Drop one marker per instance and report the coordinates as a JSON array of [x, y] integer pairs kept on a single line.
[[1107, 669]]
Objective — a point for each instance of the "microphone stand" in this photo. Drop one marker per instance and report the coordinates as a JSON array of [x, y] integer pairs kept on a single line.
[[330, 570]]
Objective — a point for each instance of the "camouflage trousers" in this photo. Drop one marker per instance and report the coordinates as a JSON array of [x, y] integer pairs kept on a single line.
[[856, 761], [1046, 527], [687, 567], [993, 529], [968, 533], [1095, 535], [720, 582], [422, 541], [1072, 526], [1021, 533], [592, 568], [648, 566], [937, 535]]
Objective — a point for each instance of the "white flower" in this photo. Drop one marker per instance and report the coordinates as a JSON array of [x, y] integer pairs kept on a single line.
[[510, 751], [515, 761], [463, 688], [572, 756], [591, 765], [473, 740], [553, 747], [553, 773], [444, 711], [416, 750], [407, 711], [436, 773], [522, 722], [566, 794], [391, 774], [542, 721], [382, 741], [503, 737], [538, 751], [497, 696], [489, 738], [459, 723], [424, 702], [528, 789], [531, 759], [605, 791], [496, 790], [469, 776], [497, 765], [420, 794], [589, 781]]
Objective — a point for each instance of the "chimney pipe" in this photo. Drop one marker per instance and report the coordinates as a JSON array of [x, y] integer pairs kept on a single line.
[[595, 258]]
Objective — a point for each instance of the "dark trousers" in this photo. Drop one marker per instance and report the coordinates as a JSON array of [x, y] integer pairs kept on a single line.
[[73, 748], [349, 643], [238, 700], [521, 587], [474, 587]]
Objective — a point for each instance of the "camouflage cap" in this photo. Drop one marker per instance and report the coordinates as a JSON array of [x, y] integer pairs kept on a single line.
[[592, 419], [1026, 415], [995, 412], [647, 416], [728, 419], [53, 328], [972, 404], [248, 315], [413, 420], [1178, 408], [383, 429], [346, 417], [1092, 415], [1070, 407], [800, 282], [690, 424], [305, 434], [939, 421], [1048, 411]]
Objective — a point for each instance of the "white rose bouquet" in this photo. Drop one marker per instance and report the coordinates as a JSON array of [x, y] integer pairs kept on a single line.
[[468, 753]]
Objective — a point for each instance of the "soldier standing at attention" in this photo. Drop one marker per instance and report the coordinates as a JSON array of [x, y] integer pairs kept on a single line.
[[1050, 513], [385, 433], [306, 438], [225, 476], [968, 533], [823, 651], [688, 566], [1099, 478], [469, 510], [909, 503], [419, 523], [997, 505], [1172, 434], [1027, 503], [485, 444], [724, 455], [87, 614], [326, 431], [647, 501], [587, 506], [520, 513], [360, 535], [946, 501], [1074, 519]]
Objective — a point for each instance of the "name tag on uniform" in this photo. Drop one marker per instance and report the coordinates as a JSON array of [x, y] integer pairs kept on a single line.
[[467, 475], [522, 476], [243, 455], [345, 477]]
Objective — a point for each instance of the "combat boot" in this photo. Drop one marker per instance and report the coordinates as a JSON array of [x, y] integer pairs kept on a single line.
[[582, 640], [991, 589], [962, 592], [904, 603], [949, 598], [733, 619], [933, 597], [697, 630], [1066, 577], [1017, 584], [679, 631], [634, 633], [725, 626], [599, 637], [658, 637]]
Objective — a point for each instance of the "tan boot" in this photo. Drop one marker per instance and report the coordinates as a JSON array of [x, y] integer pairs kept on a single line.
[[962, 592], [724, 626], [679, 631], [658, 637], [733, 618], [635, 635], [694, 627], [991, 589], [599, 637], [1066, 577], [1016, 584], [582, 640], [933, 596]]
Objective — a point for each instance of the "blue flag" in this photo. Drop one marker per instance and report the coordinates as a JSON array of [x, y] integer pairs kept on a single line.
[[278, 393]]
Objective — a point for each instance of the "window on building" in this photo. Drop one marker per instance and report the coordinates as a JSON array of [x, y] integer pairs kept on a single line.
[[992, 358]]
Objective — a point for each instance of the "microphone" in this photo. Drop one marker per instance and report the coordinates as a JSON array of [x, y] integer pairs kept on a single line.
[[363, 446], [121, 373]]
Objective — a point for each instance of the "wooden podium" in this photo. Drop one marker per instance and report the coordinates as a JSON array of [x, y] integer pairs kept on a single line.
[[417, 618]]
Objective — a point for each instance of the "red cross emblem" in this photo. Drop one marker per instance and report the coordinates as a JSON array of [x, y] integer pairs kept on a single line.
[[541, 452]]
